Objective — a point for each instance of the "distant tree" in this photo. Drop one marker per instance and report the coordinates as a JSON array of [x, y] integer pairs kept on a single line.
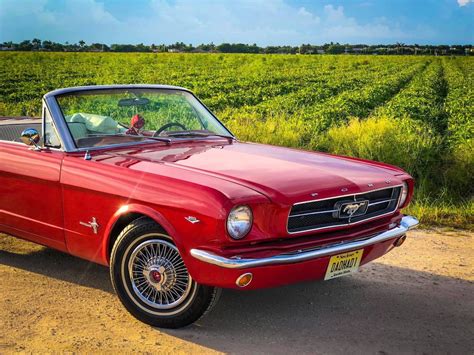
[[271, 50], [310, 49], [99, 47], [53, 46], [36, 43], [238, 48], [206, 47], [224, 47], [336, 49], [25, 46], [142, 48], [123, 48], [333, 48], [9, 44], [48, 45], [399, 47]]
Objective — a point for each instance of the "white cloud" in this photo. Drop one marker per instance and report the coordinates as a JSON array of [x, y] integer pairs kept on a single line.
[[81, 19], [334, 14], [337, 26], [260, 21], [464, 2]]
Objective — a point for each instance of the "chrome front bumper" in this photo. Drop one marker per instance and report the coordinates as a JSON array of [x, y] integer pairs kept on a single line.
[[407, 223]]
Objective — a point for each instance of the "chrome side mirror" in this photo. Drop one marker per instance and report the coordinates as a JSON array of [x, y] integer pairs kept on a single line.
[[30, 136]]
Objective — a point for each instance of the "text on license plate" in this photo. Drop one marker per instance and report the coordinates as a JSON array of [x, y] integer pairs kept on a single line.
[[343, 264]]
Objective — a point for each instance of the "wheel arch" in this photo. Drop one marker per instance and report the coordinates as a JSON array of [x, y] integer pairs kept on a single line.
[[124, 216]]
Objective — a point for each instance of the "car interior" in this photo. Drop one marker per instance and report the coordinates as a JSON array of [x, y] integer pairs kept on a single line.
[[81, 125], [11, 127]]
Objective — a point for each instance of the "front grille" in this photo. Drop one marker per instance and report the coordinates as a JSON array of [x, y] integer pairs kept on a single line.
[[327, 213]]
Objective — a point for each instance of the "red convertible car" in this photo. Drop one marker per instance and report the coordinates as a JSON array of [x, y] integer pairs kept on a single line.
[[145, 179]]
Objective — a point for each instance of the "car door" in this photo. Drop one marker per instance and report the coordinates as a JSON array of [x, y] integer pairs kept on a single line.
[[30, 193]]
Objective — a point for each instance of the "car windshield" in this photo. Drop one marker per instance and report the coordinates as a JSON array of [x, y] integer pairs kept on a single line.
[[106, 117]]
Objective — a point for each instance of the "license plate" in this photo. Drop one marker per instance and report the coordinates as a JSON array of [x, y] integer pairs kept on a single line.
[[343, 264]]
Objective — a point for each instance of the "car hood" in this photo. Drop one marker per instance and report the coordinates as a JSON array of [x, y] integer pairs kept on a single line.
[[283, 174]]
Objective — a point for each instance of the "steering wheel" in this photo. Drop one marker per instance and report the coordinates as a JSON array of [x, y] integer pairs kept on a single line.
[[168, 125]]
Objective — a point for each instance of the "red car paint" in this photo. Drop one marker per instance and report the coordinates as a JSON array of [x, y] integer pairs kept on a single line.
[[45, 194]]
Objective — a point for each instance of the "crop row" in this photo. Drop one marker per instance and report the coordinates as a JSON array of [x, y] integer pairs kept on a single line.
[[326, 105], [460, 101], [422, 99], [290, 87]]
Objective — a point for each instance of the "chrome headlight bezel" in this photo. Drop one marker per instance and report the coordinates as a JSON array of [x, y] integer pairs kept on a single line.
[[239, 221], [403, 195]]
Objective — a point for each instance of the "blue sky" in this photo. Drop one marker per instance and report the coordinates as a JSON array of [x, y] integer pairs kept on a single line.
[[265, 22]]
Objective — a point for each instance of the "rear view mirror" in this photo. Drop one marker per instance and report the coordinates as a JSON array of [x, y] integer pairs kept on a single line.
[[133, 102], [30, 136]]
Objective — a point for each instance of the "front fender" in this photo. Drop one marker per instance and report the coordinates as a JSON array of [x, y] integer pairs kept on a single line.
[[143, 210]]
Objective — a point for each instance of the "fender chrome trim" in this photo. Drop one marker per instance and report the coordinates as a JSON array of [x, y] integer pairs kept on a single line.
[[407, 223]]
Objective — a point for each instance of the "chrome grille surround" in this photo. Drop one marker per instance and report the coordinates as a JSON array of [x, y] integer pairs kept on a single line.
[[323, 214]]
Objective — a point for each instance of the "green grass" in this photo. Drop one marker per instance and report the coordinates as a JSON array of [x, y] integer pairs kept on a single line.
[[414, 112], [442, 213]]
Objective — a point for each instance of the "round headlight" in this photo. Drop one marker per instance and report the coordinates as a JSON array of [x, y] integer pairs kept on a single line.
[[403, 194], [239, 222]]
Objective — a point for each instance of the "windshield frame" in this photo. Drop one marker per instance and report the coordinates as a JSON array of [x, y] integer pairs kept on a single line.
[[69, 145]]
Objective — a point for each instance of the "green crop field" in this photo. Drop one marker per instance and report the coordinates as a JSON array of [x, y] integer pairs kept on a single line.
[[416, 112]]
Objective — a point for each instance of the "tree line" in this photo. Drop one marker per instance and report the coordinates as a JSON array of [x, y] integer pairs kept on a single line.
[[329, 48]]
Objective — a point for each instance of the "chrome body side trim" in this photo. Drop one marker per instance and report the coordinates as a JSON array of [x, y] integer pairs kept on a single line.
[[407, 223]]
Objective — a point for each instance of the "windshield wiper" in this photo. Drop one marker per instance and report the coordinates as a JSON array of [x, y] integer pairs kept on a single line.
[[160, 139], [198, 134]]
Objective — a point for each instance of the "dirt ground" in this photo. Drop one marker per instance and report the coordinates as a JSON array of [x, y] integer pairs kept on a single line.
[[417, 299]]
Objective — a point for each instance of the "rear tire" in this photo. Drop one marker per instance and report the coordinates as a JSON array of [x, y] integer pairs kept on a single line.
[[151, 280]]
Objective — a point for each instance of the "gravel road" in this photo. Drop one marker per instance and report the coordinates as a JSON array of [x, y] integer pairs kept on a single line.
[[417, 299]]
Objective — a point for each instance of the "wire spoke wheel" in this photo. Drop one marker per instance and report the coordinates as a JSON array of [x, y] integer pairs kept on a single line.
[[152, 281], [158, 275]]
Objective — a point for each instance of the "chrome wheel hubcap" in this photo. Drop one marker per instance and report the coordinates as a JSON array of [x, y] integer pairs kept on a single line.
[[158, 274]]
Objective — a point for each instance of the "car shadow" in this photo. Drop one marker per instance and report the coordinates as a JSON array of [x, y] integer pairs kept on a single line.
[[382, 309], [61, 266]]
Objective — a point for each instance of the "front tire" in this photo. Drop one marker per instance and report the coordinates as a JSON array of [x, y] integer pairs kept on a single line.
[[151, 280]]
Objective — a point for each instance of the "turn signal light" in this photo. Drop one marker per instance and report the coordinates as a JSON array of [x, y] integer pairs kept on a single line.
[[244, 279]]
